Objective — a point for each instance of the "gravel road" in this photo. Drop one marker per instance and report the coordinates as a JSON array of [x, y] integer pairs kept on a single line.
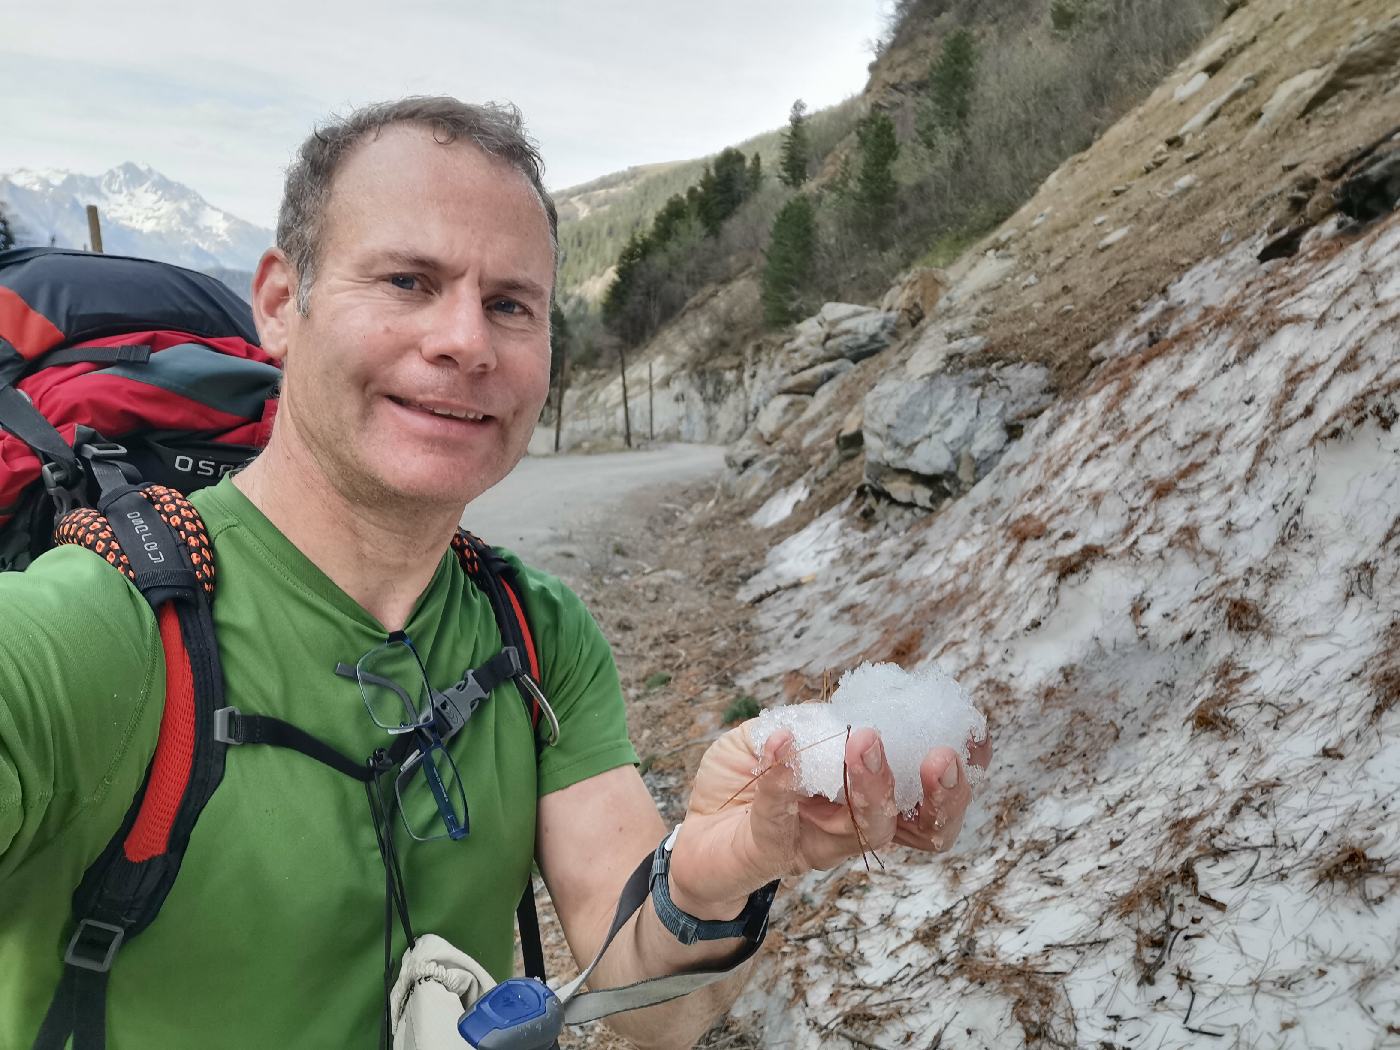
[[551, 505]]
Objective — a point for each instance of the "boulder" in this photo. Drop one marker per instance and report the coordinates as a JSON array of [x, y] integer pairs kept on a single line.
[[832, 314], [937, 348], [810, 380], [928, 440], [860, 336], [1287, 100], [916, 295], [778, 414]]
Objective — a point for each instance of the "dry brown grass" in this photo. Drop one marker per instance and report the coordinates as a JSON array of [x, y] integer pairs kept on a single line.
[[1069, 564], [1243, 616], [1163, 487], [1352, 869], [1385, 679], [1211, 714], [1027, 527]]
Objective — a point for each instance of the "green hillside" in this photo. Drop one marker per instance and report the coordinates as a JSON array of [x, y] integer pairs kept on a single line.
[[597, 218]]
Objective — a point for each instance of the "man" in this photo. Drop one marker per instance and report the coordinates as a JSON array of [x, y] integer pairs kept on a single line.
[[408, 300]]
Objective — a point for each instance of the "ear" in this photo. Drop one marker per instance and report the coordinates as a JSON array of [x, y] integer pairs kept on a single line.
[[274, 301]]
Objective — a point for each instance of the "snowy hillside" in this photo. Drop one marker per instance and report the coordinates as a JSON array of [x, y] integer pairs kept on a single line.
[[1165, 561], [143, 213], [1178, 600]]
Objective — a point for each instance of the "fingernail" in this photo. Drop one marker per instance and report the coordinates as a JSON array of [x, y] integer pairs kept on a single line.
[[950, 775], [872, 758]]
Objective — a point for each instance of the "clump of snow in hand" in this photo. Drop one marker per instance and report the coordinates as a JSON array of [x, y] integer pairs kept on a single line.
[[913, 711]]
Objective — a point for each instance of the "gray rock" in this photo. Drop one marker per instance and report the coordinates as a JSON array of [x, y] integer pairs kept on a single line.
[[1186, 90], [1114, 237], [832, 314], [942, 434], [810, 380], [810, 331], [860, 336], [778, 414], [1214, 108]]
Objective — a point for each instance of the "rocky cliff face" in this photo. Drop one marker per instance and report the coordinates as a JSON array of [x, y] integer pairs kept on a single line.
[[1155, 418]]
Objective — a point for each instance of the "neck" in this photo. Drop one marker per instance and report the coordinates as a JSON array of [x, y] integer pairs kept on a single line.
[[378, 551]]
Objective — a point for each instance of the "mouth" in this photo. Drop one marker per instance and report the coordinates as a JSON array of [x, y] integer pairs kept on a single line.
[[442, 410]]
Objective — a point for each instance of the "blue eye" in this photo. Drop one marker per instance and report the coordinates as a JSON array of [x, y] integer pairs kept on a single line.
[[515, 309], [405, 281]]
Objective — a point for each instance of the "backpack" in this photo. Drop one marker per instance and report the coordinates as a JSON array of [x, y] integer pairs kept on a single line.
[[125, 383]]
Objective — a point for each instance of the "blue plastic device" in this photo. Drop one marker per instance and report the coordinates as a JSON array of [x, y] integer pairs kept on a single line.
[[518, 1014]]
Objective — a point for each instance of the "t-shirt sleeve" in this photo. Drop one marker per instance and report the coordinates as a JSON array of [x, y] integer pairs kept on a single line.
[[81, 677], [579, 679]]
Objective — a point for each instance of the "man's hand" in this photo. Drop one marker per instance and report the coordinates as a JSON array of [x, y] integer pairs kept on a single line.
[[742, 830]]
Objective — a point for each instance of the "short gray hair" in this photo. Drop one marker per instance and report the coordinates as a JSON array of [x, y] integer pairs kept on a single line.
[[494, 128]]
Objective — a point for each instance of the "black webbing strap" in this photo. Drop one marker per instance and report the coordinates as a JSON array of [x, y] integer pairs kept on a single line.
[[491, 568], [19, 416], [231, 726], [102, 355]]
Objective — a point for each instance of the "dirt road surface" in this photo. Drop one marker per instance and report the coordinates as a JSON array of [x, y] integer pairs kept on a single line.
[[642, 539], [554, 509]]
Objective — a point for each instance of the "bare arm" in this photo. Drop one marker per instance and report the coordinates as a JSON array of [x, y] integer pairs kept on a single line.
[[590, 838]]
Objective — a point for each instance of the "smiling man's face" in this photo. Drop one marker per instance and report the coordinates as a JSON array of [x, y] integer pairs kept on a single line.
[[420, 369]]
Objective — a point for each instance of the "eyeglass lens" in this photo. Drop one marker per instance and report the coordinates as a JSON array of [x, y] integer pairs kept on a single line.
[[440, 811], [380, 674]]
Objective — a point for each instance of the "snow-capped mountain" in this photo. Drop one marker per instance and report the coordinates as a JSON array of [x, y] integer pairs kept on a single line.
[[143, 213]]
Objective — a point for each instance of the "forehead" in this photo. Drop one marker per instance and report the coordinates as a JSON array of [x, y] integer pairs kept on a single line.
[[405, 182]]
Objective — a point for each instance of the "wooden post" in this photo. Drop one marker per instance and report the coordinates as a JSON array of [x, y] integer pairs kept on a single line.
[[651, 404], [559, 397], [94, 229], [626, 412]]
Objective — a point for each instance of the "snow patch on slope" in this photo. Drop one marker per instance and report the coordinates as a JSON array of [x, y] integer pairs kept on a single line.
[[1178, 599]]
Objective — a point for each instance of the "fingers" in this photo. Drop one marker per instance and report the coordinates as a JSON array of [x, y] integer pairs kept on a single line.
[[939, 816], [871, 784]]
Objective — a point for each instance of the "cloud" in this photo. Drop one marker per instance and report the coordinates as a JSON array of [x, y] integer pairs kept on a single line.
[[219, 97]]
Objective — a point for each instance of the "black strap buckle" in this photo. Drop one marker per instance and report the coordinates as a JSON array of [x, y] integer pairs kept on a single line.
[[62, 485], [93, 946]]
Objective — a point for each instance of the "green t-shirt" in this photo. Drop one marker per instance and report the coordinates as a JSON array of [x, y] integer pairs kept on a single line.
[[273, 933]]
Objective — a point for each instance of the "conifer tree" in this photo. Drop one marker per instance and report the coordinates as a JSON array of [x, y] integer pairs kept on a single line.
[[796, 151], [7, 233], [791, 256], [875, 185], [722, 189], [951, 80], [755, 174]]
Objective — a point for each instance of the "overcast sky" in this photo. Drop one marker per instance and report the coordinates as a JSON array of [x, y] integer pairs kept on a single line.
[[218, 96]]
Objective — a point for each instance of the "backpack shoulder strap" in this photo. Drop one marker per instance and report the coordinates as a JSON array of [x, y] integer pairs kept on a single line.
[[156, 538], [497, 578]]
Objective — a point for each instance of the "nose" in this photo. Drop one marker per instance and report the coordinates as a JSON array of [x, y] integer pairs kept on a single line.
[[459, 331]]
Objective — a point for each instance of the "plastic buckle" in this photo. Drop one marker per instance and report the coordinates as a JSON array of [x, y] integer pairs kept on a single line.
[[61, 486], [100, 959], [223, 725], [101, 450]]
